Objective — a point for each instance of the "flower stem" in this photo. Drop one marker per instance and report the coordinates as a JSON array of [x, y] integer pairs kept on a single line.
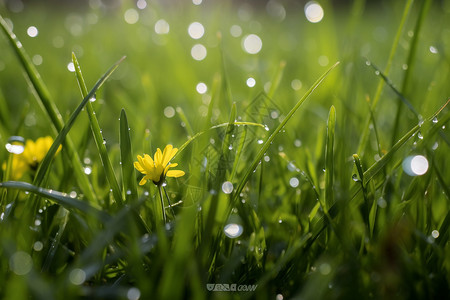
[[162, 204]]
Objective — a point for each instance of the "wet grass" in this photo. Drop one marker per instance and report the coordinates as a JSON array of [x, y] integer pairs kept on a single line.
[[326, 179]]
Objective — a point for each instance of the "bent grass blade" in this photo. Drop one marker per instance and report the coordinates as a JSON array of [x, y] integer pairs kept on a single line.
[[60, 198]]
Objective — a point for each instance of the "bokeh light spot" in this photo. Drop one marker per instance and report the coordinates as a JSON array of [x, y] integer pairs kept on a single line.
[[198, 52], [162, 27], [251, 82], [201, 88], [415, 165], [196, 30], [32, 31], [313, 12], [131, 16], [252, 44]]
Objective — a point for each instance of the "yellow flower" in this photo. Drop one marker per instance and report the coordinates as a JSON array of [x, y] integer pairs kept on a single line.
[[32, 155], [35, 152], [18, 168], [157, 169]]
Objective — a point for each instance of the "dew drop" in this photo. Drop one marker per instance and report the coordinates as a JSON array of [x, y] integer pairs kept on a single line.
[[294, 182], [435, 120], [14, 148], [233, 230], [260, 141], [433, 50], [435, 234]]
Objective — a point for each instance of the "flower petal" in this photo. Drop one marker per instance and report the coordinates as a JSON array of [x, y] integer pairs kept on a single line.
[[148, 163], [168, 154], [143, 180], [138, 167], [158, 157], [175, 173]]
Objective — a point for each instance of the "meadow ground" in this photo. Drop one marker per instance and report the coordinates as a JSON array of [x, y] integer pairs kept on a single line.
[[313, 149]]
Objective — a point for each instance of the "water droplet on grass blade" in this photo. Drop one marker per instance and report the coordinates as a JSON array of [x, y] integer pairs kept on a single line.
[[435, 234], [15, 147], [233, 230], [435, 120], [71, 67], [433, 50]]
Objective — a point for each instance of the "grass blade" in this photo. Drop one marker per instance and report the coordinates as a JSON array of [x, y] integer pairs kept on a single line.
[[60, 198], [270, 139], [391, 85], [126, 157], [329, 160], [98, 137]]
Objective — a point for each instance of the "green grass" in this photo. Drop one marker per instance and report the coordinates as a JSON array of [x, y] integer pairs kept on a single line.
[[308, 165]]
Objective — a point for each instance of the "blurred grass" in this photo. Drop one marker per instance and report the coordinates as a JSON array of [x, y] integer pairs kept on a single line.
[[318, 213]]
